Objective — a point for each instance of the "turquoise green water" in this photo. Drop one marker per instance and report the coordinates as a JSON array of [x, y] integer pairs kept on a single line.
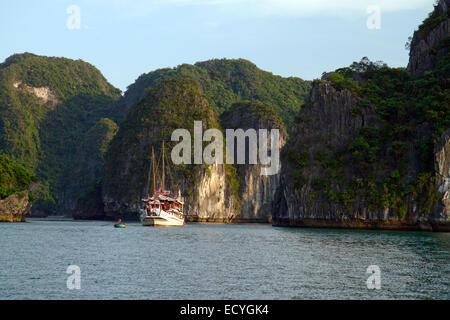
[[218, 262]]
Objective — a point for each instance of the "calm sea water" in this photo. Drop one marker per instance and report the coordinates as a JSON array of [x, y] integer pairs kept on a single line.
[[218, 262]]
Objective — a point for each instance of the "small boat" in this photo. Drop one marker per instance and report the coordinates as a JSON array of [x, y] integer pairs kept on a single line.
[[162, 209], [120, 224]]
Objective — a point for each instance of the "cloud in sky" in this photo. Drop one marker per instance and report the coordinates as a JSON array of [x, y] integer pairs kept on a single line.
[[293, 8], [302, 7]]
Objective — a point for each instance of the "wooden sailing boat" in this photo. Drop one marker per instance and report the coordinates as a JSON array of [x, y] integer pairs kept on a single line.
[[162, 209]]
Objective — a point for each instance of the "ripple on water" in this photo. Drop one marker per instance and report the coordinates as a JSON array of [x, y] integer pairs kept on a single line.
[[218, 262]]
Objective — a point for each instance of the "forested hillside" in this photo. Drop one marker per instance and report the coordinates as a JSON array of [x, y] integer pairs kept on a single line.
[[47, 105], [225, 82]]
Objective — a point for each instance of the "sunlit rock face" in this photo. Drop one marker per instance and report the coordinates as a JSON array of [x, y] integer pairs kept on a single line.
[[17, 206], [442, 169], [256, 188], [427, 45]]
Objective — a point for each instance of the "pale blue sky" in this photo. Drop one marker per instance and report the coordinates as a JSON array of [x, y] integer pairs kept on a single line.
[[125, 38]]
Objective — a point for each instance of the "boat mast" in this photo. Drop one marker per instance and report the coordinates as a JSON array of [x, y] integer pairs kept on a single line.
[[163, 167], [154, 180], [148, 178]]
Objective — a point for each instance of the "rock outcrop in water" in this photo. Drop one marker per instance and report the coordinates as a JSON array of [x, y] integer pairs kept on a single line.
[[218, 193], [174, 104], [17, 206], [319, 176], [47, 107], [18, 190], [361, 154], [213, 193]]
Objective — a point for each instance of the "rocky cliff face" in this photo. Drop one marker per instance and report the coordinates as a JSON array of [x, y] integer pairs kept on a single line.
[[89, 170], [325, 124], [212, 199], [430, 44], [223, 193], [427, 45], [442, 168], [17, 206], [319, 180], [256, 191]]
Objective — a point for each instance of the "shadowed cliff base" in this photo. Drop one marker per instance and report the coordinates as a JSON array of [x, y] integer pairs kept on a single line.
[[362, 224], [224, 220]]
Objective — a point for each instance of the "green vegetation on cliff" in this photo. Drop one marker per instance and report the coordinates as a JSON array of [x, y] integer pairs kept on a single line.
[[225, 82], [243, 114], [90, 167], [173, 104], [98, 137], [13, 177], [400, 101], [390, 161], [47, 105], [431, 22]]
